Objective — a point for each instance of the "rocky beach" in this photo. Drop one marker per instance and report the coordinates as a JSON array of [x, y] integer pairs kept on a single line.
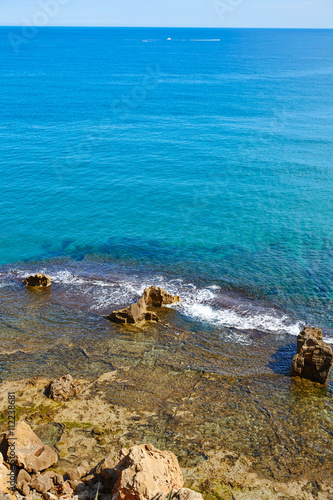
[[230, 438]]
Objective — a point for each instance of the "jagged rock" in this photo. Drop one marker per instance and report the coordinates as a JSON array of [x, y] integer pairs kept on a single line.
[[30, 452], [39, 280], [145, 471], [62, 388], [157, 297], [182, 494], [314, 358], [105, 472], [22, 482], [135, 313], [42, 484], [77, 472]]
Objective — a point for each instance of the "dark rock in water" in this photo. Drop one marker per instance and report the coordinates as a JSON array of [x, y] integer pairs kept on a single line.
[[135, 313], [157, 297], [49, 433], [38, 281], [314, 358], [62, 388]]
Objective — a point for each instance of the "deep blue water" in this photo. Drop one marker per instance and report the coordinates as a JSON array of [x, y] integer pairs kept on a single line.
[[206, 158]]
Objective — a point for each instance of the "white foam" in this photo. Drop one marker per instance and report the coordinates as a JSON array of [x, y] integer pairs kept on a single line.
[[231, 318], [198, 304]]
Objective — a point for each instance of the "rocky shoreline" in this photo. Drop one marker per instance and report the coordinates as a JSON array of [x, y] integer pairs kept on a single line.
[[78, 437], [88, 429]]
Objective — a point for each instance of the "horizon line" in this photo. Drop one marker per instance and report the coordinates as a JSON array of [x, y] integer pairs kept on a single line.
[[172, 27]]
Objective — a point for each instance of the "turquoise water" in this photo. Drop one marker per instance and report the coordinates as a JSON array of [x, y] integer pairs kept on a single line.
[[202, 164], [205, 159]]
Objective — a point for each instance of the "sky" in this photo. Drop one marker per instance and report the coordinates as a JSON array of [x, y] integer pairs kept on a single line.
[[167, 13]]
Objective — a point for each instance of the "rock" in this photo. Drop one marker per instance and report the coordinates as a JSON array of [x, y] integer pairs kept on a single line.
[[62, 388], [145, 472], [42, 484], [50, 496], [39, 280], [182, 494], [30, 452], [135, 313], [314, 358], [105, 472], [157, 297], [77, 472], [23, 480], [4, 480]]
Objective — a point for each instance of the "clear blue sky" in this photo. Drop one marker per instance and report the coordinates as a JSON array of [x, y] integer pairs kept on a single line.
[[206, 13]]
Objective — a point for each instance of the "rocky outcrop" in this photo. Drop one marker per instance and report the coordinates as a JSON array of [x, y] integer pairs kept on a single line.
[[30, 452], [157, 297], [144, 472], [137, 312], [314, 358], [133, 314], [62, 388], [39, 280]]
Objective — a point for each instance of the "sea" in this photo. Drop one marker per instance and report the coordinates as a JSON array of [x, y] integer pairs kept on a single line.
[[199, 160]]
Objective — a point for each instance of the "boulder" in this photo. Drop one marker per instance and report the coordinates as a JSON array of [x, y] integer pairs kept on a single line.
[[77, 472], [314, 358], [39, 280], [62, 388], [135, 313], [157, 297], [42, 484], [30, 452], [144, 472]]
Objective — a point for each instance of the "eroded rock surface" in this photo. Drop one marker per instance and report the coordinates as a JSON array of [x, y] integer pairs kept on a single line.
[[145, 472], [135, 313], [62, 388], [30, 452], [39, 280], [314, 358], [157, 297]]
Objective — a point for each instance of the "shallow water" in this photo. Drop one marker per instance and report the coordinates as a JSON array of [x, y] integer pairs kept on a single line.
[[201, 383]]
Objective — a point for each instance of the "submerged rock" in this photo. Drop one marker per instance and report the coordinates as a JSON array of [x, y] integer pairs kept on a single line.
[[30, 452], [314, 357], [39, 280], [157, 297], [62, 388], [135, 313], [143, 472]]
